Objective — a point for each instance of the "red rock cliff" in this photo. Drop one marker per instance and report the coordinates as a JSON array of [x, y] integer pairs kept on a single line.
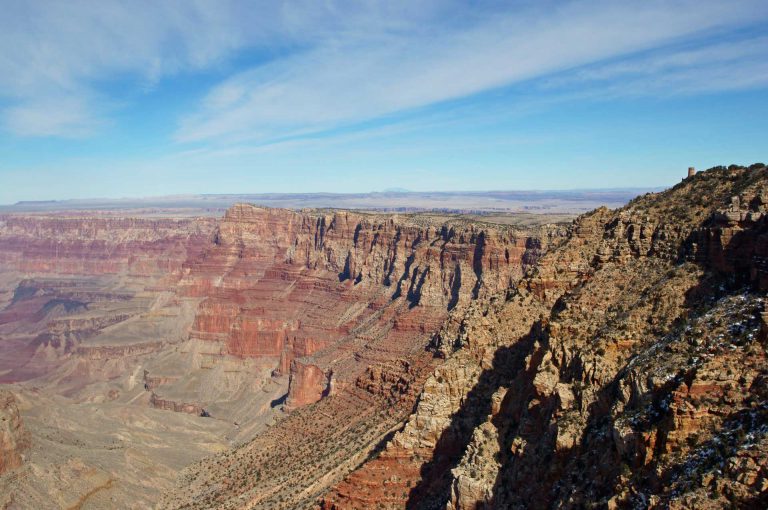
[[285, 285], [14, 439]]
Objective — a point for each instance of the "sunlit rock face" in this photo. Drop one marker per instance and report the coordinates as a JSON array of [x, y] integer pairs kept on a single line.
[[14, 438], [344, 306], [289, 285], [288, 327], [627, 369]]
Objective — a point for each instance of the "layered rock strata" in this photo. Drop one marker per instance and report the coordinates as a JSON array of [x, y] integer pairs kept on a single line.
[[93, 244], [72, 276], [627, 369], [617, 363], [345, 304], [330, 293]]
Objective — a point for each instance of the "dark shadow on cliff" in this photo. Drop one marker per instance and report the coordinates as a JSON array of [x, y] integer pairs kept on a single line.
[[455, 288], [533, 472], [278, 401], [477, 264], [538, 474], [588, 473], [433, 490]]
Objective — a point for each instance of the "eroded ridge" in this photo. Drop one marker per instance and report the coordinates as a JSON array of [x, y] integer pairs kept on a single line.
[[627, 369]]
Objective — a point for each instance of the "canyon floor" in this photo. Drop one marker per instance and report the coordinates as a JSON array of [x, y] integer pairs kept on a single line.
[[335, 359]]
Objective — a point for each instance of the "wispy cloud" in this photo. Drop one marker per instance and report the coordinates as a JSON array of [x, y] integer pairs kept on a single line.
[[67, 117], [55, 53], [706, 66], [320, 65], [363, 75], [64, 52]]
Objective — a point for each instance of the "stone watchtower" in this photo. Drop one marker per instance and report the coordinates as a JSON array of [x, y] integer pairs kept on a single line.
[[691, 171]]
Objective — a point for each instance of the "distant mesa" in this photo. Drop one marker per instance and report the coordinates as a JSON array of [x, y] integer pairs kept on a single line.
[[23, 203]]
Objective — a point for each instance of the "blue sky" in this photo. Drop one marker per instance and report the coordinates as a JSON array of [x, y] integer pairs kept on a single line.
[[116, 99]]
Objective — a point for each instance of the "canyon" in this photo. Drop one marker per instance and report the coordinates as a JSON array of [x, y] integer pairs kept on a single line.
[[334, 359], [109, 323]]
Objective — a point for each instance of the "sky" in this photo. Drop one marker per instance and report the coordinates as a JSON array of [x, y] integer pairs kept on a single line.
[[146, 98]]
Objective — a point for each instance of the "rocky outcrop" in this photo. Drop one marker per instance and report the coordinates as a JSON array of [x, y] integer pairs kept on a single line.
[[297, 346], [616, 366], [152, 382], [308, 384], [177, 407], [253, 336], [85, 325], [625, 370], [14, 439], [104, 352]]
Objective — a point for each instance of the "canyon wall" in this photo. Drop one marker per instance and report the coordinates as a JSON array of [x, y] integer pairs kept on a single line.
[[67, 278], [360, 287], [344, 304], [93, 244], [337, 306], [274, 284], [616, 362], [627, 369]]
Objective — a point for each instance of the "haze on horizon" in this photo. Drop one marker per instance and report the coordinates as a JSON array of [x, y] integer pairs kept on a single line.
[[111, 99]]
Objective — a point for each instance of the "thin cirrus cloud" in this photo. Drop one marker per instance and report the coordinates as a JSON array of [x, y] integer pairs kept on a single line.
[[717, 66], [68, 117], [322, 65], [57, 55], [369, 75]]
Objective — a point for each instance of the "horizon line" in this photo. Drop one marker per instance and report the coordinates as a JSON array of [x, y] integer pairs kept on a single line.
[[333, 193]]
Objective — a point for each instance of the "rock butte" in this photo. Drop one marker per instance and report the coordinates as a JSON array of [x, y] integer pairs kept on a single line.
[[353, 360], [14, 439]]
